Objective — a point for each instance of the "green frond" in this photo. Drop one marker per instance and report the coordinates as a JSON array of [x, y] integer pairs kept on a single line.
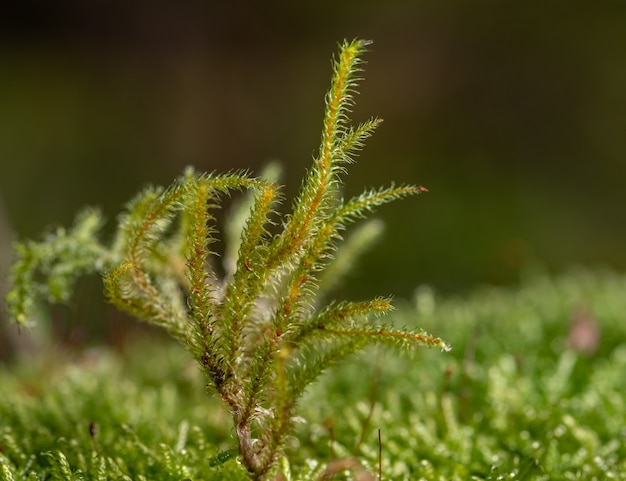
[[339, 98], [153, 214], [318, 193], [131, 290], [235, 222], [343, 314], [366, 202], [135, 210], [48, 270], [404, 339], [130, 285], [255, 235], [198, 240], [147, 231], [236, 180], [353, 139]]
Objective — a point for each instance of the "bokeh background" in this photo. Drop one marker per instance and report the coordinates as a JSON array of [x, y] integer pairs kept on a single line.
[[513, 114]]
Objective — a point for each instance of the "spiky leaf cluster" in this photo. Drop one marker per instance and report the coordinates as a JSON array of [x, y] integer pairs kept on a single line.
[[47, 270], [260, 333]]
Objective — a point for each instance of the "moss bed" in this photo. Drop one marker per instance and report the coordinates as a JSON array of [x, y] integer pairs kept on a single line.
[[533, 389]]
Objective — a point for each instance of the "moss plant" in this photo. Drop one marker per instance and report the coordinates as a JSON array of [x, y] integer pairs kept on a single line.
[[260, 334]]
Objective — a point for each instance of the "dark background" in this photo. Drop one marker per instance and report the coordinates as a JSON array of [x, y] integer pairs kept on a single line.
[[513, 114]]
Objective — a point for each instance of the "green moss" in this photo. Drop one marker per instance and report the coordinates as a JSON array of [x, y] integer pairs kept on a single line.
[[517, 398], [512, 401], [106, 416]]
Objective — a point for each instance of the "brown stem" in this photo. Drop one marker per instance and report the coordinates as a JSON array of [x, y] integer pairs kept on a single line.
[[246, 449]]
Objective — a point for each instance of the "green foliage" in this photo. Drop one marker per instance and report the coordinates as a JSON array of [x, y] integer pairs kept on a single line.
[[48, 269], [261, 334], [518, 400], [107, 417], [522, 396]]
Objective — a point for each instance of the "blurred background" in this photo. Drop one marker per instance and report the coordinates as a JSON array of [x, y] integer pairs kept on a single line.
[[512, 114]]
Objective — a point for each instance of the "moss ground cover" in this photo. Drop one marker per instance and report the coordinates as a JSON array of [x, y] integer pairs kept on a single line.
[[533, 389]]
